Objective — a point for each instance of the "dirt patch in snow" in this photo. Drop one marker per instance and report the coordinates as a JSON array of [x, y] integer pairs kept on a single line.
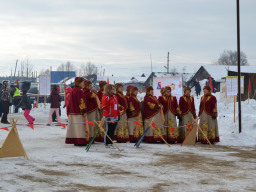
[[53, 172], [111, 171], [191, 160], [36, 179], [83, 187]]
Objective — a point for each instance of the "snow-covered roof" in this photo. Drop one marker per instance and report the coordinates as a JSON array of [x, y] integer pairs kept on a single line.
[[140, 78], [114, 79], [217, 72], [220, 71], [163, 74], [71, 80], [244, 69]]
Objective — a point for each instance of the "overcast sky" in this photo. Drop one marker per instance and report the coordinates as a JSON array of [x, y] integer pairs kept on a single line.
[[120, 35]]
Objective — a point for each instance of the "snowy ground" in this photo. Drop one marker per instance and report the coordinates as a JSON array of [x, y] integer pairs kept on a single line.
[[54, 166]]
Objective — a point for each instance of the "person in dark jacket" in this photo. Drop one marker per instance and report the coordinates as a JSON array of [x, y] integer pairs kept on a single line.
[[55, 104], [198, 88], [26, 105], [5, 100], [54, 114]]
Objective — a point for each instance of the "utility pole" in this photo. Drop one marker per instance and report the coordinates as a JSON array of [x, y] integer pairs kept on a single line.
[[239, 66], [151, 62], [167, 67], [168, 62], [27, 71], [15, 69]]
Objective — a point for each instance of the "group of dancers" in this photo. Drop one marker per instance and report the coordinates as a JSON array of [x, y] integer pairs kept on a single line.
[[126, 118]]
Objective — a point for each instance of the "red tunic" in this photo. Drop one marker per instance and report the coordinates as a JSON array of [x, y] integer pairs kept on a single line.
[[77, 103], [149, 106], [90, 100], [128, 112], [133, 105], [67, 95], [162, 100], [209, 105], [100, 94], [67, 98], [122, 101], [169, 103], [187, 104]]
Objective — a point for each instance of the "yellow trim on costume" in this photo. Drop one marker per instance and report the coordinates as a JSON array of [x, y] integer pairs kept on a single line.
[[151, 105], [93, 95], [178, 110], [132, 108], [82, 105]]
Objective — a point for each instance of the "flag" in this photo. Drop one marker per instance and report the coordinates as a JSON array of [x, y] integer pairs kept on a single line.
[[249, 86], [63, 125], [137, 123], [5, 128], [172, 129], [91, 123], [107, 80], [31, 126], [189, 127], [210, 83]]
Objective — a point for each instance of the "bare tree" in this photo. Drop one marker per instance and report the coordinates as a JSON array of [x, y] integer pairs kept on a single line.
[[45, 72], [229, 57], [22, 68], [61, 67], [88, 69], [26, 68], [184, 69], [174, 71], [68, 66]]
